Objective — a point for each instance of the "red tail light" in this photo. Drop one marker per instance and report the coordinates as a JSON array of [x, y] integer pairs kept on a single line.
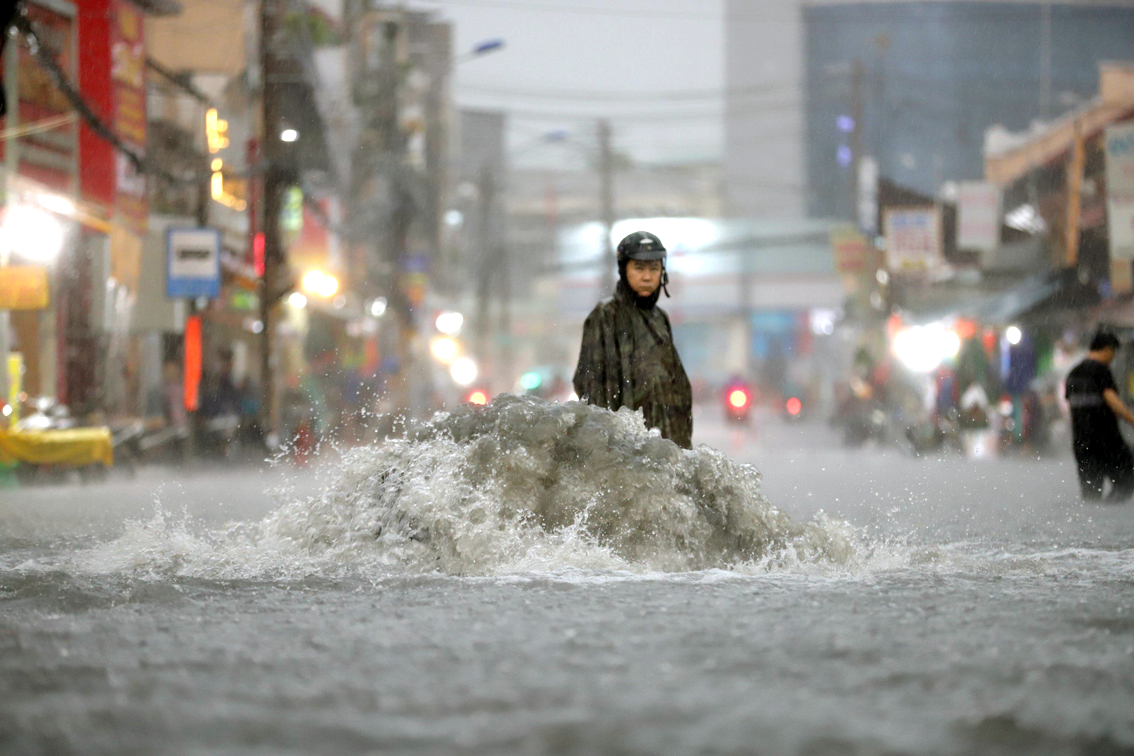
[[738, 398], [478, 397], [794, 406]]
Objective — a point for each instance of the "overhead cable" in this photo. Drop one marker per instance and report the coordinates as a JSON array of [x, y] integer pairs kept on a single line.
[[47, 61]]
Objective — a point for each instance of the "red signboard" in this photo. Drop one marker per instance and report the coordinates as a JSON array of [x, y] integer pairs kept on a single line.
[[193, 357], [96, 155], [128, 74], [47, 150]]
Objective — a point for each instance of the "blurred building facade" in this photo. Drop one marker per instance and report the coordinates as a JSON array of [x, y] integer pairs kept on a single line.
[[923, 80], [163, 130]]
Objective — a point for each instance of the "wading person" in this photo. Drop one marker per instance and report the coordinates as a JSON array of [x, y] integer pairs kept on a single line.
[[628, 358], [1100, 451]]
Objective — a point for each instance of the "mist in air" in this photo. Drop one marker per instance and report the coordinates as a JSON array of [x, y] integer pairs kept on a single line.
[[495, 376]]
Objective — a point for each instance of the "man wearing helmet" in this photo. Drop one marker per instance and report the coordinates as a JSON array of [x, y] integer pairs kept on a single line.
[[628, 358]]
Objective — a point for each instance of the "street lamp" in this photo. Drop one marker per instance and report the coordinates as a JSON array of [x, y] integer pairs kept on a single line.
[[450, 323], [444, 350], [481, 49], [463, 371], [318, 282], [487, 46], [32, 233]]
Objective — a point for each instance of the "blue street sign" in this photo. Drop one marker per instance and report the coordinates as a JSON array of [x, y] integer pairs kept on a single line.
[[192, 263]]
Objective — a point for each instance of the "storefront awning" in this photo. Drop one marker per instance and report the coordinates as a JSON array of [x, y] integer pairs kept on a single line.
[[1058, 289]]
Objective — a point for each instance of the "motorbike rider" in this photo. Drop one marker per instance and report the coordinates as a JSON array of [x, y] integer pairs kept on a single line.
[[628, 357], [1100, 450]]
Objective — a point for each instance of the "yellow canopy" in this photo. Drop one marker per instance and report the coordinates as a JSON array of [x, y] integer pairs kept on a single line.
[[76, 447]]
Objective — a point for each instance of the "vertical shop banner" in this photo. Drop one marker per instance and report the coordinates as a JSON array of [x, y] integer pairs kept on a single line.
[[853, 253], [978, 217], [1120, 190], [193, 360], [913, 239], [1120, 205], [128, 72], [868, 196]]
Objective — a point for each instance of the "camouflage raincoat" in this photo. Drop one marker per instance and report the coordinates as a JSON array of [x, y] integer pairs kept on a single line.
[[628, 359]]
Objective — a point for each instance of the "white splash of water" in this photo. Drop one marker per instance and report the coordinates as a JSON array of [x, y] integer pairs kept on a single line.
[[520, 486]]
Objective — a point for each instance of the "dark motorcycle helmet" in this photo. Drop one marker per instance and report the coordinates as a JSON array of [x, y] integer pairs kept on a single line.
[[642, 245]]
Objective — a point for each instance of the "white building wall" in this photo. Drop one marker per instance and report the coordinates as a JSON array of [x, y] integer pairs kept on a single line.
[[763, 166]]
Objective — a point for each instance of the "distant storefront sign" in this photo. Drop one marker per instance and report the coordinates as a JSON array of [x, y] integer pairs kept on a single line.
[[853, 253], [128, 72], [978, 217], [193, 262], [49, 156], [913, 239], [868, 195], [23, 287], [1120, 190], [1120, 205]]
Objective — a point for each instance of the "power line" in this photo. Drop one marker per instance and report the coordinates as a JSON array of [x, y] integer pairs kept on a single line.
[[659, 117], [580, 10], [44, 57], [630, 95]]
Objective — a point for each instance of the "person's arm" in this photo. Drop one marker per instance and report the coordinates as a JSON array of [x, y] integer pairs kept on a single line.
[[589, 377], [1117, 406]]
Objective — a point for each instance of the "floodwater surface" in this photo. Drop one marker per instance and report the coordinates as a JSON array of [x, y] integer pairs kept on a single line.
[[537, 578]]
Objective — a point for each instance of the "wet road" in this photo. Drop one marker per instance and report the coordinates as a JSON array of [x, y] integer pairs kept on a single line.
[[985, 611]]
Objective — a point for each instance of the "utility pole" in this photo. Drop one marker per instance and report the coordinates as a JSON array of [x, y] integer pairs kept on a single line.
[[11, 167], [1075, 195], [856, 97], [607, 277], [402, 206], [486, 252], [273, 196], [1045, 60]]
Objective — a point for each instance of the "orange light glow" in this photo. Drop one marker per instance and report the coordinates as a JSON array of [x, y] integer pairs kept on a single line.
[[478, 397], [966, 329], [738, 398], [794, 406]]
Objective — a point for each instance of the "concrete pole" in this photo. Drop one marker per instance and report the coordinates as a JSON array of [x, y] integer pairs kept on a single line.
[[11, 168], [856, 103], [273, 191], [1074, 196], [1045, 60], [607, 275]]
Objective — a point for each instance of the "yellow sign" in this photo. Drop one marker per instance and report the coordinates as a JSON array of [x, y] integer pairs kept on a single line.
[[851, 249], [23, 287], [216, 131], [75, 447]]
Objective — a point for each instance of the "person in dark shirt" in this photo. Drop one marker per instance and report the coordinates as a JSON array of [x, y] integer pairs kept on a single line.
[[1100, 450]]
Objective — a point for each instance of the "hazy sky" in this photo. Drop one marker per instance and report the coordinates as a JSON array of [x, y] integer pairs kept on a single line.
[[560, 54]]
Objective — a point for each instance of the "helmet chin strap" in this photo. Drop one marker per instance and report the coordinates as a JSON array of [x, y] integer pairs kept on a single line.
[[665, 281]]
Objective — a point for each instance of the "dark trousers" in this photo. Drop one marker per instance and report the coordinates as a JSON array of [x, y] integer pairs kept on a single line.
[[1096, 466]]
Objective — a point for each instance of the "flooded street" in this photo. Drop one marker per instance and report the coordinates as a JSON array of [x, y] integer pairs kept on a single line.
[[984, 610], [621, 377]]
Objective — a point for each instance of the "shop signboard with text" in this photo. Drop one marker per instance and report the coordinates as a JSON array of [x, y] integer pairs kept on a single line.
[[1120, 190], [24, 287], [978, 217], [193, 263], [128, 72], [913, 239]]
